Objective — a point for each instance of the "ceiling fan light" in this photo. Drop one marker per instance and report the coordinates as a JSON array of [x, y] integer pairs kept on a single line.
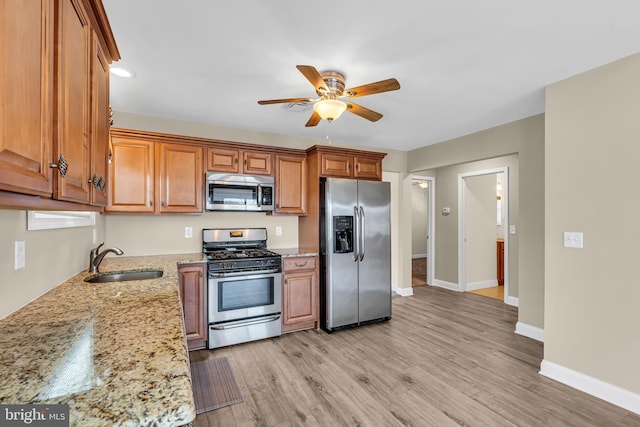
[[329, 109]]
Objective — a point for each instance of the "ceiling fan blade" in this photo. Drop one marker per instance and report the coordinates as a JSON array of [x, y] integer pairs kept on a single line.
[[314, 77], [313, 120], [285, 101], [363, 112], [371, 88]]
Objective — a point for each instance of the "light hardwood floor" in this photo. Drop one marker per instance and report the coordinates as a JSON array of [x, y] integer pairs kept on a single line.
[[444, 359]]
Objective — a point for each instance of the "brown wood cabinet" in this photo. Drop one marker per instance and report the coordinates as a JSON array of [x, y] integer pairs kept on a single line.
[[238, 161], [154, 177], [300, 293], [341, 165], [50, 91], [291, 184], [192, 293], [98, 171]]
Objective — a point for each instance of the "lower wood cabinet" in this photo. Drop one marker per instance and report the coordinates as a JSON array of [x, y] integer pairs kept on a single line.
[[192, 293], [300, 293]]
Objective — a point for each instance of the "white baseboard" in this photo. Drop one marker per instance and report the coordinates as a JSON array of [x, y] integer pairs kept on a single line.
[[482, 284], [403, 292], [514, 301], [414, 256], [447, 285], [593, 386], [529, 331]]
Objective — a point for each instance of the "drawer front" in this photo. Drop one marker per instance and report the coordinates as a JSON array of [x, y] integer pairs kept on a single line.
[[299, 263]]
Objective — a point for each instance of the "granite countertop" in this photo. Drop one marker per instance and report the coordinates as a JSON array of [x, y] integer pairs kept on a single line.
[[114, 352], [293, 252]]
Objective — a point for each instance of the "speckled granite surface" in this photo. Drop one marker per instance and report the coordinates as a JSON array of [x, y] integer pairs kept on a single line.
[[115, 352], [293, 252]]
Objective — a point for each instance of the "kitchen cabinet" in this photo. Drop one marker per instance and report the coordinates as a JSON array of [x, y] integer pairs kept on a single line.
[[291, 184], [238, 161], [154, 177], [50, 92], [300, 293], [340, 165], [192, 294]]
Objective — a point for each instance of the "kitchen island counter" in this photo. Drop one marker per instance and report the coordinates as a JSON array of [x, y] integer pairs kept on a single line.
[[114, 352]]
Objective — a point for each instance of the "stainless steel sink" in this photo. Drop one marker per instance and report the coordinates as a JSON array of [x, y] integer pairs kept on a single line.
[[123, 276]]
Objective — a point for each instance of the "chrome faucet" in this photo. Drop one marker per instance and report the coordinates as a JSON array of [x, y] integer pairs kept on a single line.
[[95, 257]]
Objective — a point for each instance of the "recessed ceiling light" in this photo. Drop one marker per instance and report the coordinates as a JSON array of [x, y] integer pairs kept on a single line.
[[122, 72]]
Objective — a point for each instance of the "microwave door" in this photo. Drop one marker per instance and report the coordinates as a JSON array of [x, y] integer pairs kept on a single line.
[[232, 197]]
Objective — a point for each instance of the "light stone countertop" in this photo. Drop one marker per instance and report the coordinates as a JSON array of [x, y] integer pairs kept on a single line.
[[293, 252], [114, 352]]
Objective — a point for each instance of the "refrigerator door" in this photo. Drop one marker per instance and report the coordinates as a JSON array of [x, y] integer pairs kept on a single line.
[[341, 281], [375, 250]]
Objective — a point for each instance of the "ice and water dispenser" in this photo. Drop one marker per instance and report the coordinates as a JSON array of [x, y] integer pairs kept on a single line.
[[342, 234]]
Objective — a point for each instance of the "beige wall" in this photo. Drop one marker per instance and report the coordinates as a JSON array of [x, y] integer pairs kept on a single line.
[[525, 137], [52, 256], [480, 221], [419, 218], [591, 294]]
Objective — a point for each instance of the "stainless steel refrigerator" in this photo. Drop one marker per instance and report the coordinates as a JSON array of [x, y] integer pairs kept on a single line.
[[355, 246]]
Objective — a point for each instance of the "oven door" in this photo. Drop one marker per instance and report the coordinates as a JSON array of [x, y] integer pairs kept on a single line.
[[243, 296]]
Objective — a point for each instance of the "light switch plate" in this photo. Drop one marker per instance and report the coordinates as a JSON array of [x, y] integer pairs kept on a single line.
[[278, 230], [512, 229], [573, 239], [188, 232], [20, 256]]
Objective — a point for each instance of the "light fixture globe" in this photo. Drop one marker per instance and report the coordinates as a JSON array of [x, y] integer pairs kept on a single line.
[[329, 109]]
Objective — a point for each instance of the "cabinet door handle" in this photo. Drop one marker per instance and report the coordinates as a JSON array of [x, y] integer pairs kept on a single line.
[[236, 160], [62, 165], [302, 265], [358, 167], [286, 281], [150, 204]]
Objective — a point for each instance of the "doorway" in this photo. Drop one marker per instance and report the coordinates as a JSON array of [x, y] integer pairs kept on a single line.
[[483, 200], [422, 239]]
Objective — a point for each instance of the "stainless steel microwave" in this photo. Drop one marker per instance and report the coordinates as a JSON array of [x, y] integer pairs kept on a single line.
[[235, 192]]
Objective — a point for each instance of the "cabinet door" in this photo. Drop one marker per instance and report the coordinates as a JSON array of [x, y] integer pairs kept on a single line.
[[365, 168], [291, 184], [72, 134], [180, 178], [131, 176], [99, 124], [222, 160], [336, 165], [299, 297], [192, 294], [257, 163], [26, 95]]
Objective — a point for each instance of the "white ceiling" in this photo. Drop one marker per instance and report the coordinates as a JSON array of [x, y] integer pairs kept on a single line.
[[463, 65]]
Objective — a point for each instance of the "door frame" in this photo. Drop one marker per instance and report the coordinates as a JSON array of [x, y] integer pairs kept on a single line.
[[431, 200], [462, 252]]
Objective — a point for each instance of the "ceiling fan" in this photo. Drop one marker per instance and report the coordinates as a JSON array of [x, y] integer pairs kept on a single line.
[[330, 88]]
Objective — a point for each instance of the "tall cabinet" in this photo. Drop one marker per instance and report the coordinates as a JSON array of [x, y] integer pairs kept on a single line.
[[53, 86]]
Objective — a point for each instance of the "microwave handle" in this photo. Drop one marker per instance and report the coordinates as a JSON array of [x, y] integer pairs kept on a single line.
[[259, 195]]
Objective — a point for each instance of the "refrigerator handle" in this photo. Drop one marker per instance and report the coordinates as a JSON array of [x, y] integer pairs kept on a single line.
[[361, 233], [356, 236]]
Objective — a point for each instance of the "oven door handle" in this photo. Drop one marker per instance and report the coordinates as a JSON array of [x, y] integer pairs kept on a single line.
[[241, 323], [248, 274]]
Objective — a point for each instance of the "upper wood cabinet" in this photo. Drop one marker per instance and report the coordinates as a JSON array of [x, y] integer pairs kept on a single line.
[[154, 177], [238, 161], [291, 184], [343, 163], [180, 179], [52, 87]]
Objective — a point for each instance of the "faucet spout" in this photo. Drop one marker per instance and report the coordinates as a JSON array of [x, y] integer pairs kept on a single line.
[[96, 257]]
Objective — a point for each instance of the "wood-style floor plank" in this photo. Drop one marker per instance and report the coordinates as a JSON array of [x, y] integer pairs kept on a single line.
[[444, 359]]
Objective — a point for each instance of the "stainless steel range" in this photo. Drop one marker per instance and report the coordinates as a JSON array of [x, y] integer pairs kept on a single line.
[[244, 286]]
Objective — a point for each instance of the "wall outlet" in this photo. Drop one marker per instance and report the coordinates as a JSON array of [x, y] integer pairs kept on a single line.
[[95, 236], [512, 229], [188, 232], [278, 230], [20, 256], [572, 239]]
